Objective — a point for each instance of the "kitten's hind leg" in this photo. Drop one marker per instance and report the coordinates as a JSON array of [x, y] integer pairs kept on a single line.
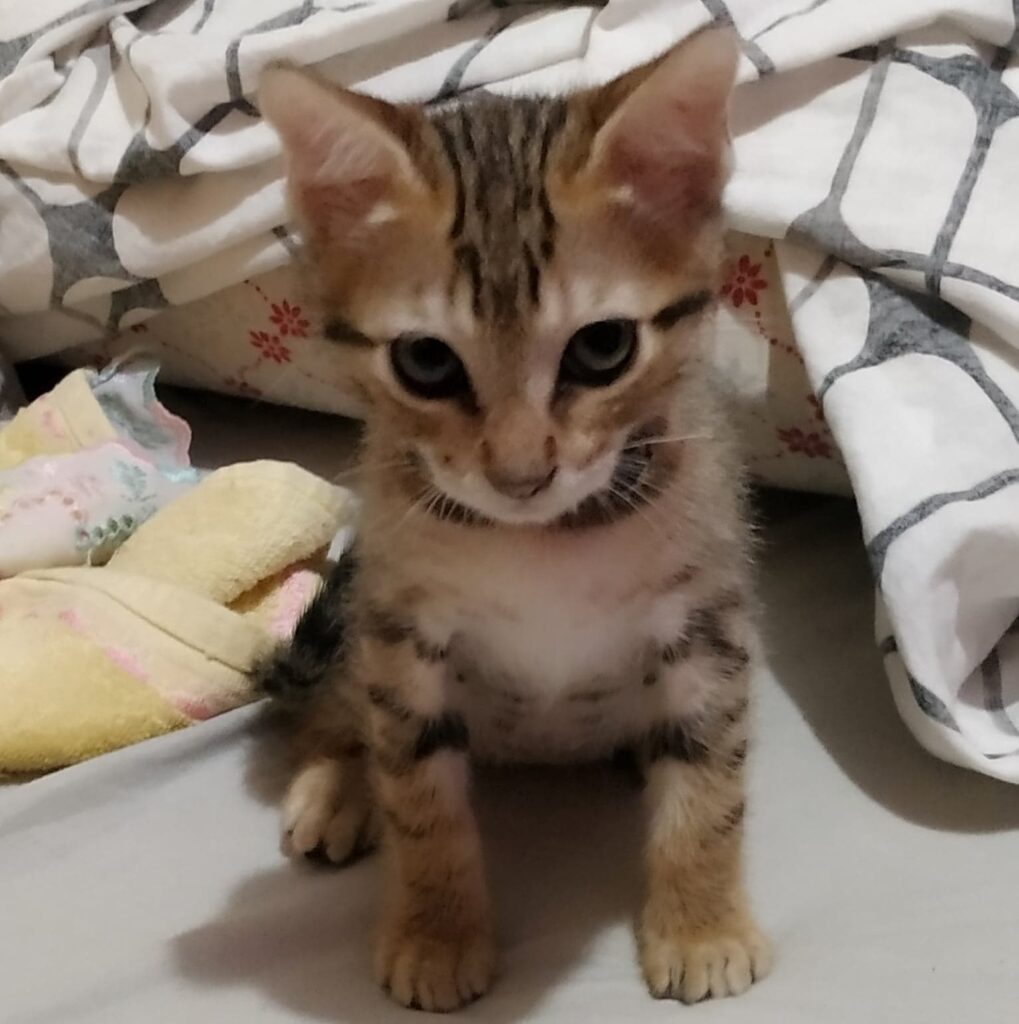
[[328, 813]]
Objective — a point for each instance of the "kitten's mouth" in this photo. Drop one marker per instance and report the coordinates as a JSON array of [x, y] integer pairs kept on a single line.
[[627, 490], [629, 487]]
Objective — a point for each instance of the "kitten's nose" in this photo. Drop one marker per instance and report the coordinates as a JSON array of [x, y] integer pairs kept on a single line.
[[518, 452], [519, 486]]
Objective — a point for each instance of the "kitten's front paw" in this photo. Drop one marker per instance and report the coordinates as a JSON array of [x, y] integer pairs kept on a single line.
[[327, 816], [435, 973], [724, 961]]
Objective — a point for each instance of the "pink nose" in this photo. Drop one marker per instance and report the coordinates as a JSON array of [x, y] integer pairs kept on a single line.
[[521, 487]]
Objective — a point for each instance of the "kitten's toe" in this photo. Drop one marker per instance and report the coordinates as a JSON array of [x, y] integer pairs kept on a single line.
[[324, 819], [692, 967], [348, 835], [436, 974]]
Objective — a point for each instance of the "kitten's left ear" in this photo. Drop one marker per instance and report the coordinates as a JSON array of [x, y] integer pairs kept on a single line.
[[662, 145], [353, 162]]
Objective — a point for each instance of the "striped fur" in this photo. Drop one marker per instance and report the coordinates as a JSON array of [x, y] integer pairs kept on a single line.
[[498, 154], [609, 607], [297, 670]]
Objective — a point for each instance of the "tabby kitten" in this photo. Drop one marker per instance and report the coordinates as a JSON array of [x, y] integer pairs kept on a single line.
[[552, 561]]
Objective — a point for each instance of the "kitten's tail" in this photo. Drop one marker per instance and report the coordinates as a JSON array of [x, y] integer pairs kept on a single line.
[[295, 671]]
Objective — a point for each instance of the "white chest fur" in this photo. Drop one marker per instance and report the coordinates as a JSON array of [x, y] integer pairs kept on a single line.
[[552, 638]]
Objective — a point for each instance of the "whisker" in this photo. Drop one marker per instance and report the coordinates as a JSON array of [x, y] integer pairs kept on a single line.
[[368, 467], [350, 471], [345, 474], [416, 505], [446, 509], [645, 492], [434, 504], [666, 525], [649, 488], [640, 510], [667, 440]]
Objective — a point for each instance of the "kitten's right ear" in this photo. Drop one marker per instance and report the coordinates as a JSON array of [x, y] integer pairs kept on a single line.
[[349, 163], [660, 145]]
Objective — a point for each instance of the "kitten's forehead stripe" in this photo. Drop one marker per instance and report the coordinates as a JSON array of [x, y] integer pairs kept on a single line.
[[465, 133], [468, 259], [449, 145], [554, 122], [498, 152], [686, 305]]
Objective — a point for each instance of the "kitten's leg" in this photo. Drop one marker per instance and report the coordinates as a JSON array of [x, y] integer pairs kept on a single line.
[[435, 949], [327, 812], [697, 937]]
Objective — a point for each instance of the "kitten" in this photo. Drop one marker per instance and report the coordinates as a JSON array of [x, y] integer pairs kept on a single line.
[[552, 561]]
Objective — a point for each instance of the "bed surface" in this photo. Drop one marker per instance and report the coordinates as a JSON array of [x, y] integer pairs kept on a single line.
[[148, 885]]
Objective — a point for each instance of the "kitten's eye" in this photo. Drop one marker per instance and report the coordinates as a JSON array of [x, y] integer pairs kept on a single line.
[[428, 367], [599, 353]]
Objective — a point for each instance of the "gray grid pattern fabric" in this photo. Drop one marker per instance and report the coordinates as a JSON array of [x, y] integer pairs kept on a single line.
[[910, 349], [876, 142]]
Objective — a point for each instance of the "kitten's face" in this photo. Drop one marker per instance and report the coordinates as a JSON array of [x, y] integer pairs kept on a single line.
[[519, 282]]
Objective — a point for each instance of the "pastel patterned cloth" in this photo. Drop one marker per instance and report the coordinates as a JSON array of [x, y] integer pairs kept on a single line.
[[134, 596], [85, 465], [166, 633]]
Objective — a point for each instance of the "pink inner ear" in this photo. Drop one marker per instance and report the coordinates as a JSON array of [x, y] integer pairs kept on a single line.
[[664, 149], [341, 162], [331, 205], [669, 174]]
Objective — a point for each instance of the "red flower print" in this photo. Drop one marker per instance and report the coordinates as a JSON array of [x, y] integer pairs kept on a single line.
[[812, 445], [241, 387], [744, 282], [270, 346], [816, 406], [288, 320]]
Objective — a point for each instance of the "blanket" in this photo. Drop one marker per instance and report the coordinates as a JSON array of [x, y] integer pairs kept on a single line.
[[134, 597], [876, 144]]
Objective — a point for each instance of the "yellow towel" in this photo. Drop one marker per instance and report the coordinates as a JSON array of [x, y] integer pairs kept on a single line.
[[95, 658]]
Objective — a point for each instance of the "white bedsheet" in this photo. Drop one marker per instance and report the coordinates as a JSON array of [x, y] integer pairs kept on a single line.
[[147, 885]]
